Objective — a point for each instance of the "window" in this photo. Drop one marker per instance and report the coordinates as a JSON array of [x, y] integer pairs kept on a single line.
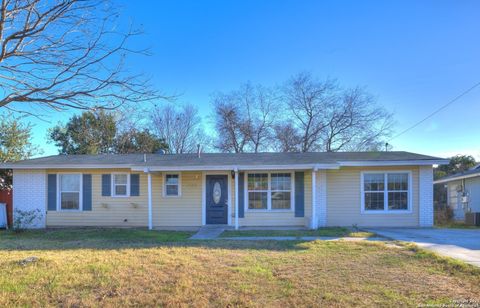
[[269, 191], [120, 185], [258, 191], [281, 191], [398, 191], [384, 192], [172, 185], [69, 191]]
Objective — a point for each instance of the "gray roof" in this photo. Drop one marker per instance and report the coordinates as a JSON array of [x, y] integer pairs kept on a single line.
[[219, 159], [474, 172]]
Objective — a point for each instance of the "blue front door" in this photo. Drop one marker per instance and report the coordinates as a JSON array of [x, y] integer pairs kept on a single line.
[[216, 199]]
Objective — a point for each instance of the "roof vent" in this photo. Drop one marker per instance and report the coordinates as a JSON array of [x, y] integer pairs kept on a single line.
[[199, 150]]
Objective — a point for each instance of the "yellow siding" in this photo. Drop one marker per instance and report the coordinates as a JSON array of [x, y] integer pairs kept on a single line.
[[106, 211], [273, 218], [343, 204], [344, 200], [183, 211]]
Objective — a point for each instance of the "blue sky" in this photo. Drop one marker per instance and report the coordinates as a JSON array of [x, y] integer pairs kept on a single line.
[[413, 56]]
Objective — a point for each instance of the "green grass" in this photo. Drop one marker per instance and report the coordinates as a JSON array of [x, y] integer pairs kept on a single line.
[[120, 267], [327, 232], [456, 225], [88, 237]]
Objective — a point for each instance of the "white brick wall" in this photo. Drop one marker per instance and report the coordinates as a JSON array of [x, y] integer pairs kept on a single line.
[[425, 215], [30, 193], [321, 198]]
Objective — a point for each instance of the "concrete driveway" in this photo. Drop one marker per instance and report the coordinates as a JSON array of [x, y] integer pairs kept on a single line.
[[462, 244]]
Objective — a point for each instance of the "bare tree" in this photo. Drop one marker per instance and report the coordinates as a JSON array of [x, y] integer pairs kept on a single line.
[[307, 99], [179, 127], [245, 118], [287, 138], [329, 118], [356, 123], [63, 54]]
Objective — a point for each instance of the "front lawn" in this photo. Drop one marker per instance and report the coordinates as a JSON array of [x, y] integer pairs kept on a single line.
[[140, 268], [327, 232], [456, 225]]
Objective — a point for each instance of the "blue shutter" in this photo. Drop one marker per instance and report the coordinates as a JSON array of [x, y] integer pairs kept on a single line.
[[52, 192], [299, 194], [135, 185], [106, 185], [241, 195], [87, 192]]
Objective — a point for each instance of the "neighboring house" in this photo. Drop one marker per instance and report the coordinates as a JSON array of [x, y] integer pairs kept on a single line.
[[463, 192], [240, 190]]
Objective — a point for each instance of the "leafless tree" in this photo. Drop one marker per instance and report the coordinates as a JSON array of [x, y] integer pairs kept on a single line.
[[307, 100], [180, 127], [63, 54], [287, 138], [244, 119], [329, 118], [356, 123]]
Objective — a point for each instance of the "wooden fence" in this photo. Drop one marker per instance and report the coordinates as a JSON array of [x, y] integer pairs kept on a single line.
[[6, 196]]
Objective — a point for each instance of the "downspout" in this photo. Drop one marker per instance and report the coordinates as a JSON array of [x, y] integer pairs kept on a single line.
[[149, 175], [314, 223]]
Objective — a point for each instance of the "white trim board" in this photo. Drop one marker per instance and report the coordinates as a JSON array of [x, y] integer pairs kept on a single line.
[[387, 163], [233, 167]]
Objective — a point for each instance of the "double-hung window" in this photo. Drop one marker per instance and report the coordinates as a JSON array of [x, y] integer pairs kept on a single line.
[[70, 191], [258, 191], [172, 185], [120, 185], [386, 192], [269, 191], [281, 191]]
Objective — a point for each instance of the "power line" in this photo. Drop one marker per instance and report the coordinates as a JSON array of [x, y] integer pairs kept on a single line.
[[438, 110]]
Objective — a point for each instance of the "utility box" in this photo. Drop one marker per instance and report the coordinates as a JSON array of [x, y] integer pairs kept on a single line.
[[472, 219]]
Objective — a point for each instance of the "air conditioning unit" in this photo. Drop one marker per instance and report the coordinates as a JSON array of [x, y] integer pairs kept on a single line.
[[472, 218]]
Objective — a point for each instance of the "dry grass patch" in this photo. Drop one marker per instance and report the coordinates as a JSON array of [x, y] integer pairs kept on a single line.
[[137, 272]]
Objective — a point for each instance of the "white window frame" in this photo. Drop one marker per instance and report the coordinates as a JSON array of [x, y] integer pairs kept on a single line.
[[59, 193], [114, 195], [385, 210], [179, 194], [269, 192]]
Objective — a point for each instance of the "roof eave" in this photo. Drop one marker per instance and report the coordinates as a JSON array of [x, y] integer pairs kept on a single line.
[[456, 178], [235, 167], [423, 162], [64, 166]]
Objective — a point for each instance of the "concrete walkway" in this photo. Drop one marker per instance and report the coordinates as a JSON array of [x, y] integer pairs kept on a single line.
[[208, 232], [461, 244]]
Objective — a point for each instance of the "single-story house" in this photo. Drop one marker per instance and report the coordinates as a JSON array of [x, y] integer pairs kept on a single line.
[[238, 190], [463, 192]]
